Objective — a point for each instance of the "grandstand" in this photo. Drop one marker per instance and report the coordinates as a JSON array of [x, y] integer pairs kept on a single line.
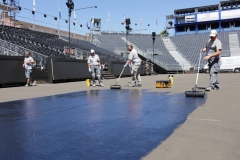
[[195, 42], [191, 28], [48, 45], [143, 44]]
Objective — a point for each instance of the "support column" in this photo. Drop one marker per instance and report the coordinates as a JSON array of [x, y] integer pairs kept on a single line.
[[220, 18]]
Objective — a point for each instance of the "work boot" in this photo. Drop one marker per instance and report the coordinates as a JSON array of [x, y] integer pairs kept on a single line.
[[94, 85], [217, 88], [139, 84], [132, 85], [34, 83], [209, 89], [101, 84]]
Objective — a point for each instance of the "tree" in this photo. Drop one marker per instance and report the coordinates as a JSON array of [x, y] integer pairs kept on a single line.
[[164, 33]]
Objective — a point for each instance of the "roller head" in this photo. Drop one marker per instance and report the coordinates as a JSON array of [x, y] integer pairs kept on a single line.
[[195, 93], [115, 87]]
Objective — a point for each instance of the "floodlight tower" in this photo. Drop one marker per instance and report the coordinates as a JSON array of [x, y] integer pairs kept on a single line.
[[15, 4], [153, 38], [128, 29], [70, 6]]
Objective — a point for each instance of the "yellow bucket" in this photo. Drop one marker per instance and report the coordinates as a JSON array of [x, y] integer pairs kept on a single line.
[[88, 82]]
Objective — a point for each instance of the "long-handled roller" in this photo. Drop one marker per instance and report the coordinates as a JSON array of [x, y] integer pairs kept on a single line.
[[194, 92], [117, 86]]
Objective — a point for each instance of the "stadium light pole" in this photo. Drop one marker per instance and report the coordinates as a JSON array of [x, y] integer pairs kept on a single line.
[[85, 8], [128, 29], [153, 38], [70, 6]]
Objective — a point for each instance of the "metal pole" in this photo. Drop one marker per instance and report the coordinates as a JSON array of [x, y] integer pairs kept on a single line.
[[69, 30], [58, 20], [34, 21], [74, 31], [126, 41], [153, 51]]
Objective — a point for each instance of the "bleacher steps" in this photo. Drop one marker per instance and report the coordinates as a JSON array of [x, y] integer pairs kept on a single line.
[[234, 44], [176, 55], [139, 51], [107, 75]]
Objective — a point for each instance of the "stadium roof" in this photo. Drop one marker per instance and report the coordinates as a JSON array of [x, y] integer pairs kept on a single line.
[[229, 3], [200, 9], [184, 11], [170, 16]]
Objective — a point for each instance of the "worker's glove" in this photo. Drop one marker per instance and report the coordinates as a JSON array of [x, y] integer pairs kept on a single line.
[[100, 67], [124, 66], [89, 69]]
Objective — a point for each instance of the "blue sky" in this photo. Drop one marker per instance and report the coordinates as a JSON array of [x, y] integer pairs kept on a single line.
[[148, 11]]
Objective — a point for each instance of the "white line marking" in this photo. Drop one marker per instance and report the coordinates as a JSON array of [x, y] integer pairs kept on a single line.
[[213, 120]]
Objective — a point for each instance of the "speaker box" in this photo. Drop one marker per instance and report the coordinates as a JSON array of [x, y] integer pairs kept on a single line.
[[153, 34], [128, 21]]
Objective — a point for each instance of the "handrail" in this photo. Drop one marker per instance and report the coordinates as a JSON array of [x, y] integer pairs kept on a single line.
[[10, 50], [23, 48]]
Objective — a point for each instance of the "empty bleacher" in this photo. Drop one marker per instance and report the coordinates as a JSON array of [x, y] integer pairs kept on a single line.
[[105, 53], [48, 44], [190, 45], [51, 45], [144, 43]]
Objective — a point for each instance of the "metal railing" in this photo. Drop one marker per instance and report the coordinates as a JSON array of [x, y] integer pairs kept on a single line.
[[10, 49]]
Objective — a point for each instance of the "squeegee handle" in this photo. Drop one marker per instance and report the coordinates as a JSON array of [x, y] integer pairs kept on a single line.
[[200, 55], [119, 76]]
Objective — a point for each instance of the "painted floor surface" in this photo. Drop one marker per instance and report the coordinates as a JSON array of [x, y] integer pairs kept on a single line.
[[105, 124]]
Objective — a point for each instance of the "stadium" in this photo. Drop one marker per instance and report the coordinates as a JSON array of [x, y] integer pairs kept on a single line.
[[64, 116]]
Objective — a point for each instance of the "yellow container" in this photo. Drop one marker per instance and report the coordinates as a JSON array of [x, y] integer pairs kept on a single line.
[[163, 84], [88, 82], [157, 84], [171, 79]]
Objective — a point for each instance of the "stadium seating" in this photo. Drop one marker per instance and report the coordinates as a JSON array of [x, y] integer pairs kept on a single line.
[[108, 45], [105, 53], [48, 44], [189, 45], [142, 42], [145, 43]]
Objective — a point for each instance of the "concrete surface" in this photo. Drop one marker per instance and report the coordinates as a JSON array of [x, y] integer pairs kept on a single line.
[[212, 131]]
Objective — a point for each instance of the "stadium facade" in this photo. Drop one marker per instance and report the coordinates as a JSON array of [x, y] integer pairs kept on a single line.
[[224, 16]]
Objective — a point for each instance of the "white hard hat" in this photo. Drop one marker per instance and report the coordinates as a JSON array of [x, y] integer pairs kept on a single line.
[[92, 51]]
